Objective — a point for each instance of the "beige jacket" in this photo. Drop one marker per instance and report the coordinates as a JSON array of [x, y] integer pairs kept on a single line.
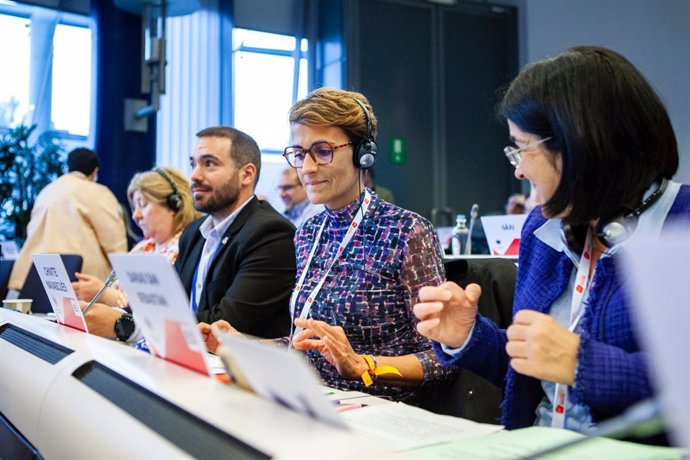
[[73, 215]]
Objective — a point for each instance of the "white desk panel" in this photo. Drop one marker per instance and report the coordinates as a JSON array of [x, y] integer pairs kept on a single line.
[[63, 417]]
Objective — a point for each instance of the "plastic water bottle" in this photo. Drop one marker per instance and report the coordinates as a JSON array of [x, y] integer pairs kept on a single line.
[[460, 235]]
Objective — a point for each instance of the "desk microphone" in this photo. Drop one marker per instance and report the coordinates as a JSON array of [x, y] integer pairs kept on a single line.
[[474, 213], [108, 282], [641, 420]]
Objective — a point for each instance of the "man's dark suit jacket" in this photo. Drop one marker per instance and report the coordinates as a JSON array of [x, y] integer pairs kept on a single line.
[[251, 277]]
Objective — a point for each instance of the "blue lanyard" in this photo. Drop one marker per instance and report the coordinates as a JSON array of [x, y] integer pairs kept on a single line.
[[196, 273]]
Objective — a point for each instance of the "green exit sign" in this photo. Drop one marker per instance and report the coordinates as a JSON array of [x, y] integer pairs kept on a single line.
[[398, 151]]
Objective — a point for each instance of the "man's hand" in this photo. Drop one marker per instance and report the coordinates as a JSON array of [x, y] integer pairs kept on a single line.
[[86, 286], [100, 319], [211, 339], [542, 348], [447, 312]]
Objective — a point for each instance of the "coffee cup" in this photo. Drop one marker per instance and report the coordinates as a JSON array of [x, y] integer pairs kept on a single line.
[[20, 305]]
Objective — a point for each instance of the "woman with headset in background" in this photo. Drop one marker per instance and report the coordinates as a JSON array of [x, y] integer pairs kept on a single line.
[[597, 145], [162, 207], [360, 263]]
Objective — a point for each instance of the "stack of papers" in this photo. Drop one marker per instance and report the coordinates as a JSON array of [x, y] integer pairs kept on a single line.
[[511, 445], [400, 427]]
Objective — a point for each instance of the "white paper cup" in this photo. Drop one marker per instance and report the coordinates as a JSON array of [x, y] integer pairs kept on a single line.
[[20, 305]]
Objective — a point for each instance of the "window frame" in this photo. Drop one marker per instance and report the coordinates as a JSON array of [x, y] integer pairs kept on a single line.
[[297, 55], [62, 18]]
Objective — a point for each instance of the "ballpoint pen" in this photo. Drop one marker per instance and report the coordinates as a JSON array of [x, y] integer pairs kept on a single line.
[[108, 282]]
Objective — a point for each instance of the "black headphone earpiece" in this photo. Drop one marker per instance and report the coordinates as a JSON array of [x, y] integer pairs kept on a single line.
[[612, 232], [364, 154], [174, 200]]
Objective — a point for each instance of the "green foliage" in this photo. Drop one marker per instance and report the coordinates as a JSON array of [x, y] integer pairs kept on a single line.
[[24, 170]]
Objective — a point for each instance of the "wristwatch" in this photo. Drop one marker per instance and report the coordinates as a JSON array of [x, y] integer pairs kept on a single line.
[[124, 327]]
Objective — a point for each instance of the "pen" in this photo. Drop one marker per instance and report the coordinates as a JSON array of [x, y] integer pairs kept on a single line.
[[349, 406], [108, 282]]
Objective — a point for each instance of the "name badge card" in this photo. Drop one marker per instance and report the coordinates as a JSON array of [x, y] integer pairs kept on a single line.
[[161, 308], [58, 287], [278, 376], [503, 233]]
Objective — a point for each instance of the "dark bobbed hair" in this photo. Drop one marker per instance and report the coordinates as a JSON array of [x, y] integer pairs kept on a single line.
[[83, 160], [243, 148], [610, 127]]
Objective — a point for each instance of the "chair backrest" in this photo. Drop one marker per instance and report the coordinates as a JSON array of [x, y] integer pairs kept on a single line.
[[469, 395], [33, 288], [5, 272]]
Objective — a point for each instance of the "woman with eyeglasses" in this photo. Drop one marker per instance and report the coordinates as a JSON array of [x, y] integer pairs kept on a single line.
[[361, 262], [596, 143]]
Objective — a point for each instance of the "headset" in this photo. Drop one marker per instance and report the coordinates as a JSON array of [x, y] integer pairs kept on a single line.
[[612, 232], [174, 200], [364, 154]]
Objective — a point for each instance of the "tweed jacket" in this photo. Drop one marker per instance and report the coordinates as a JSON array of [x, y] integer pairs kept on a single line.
[[612, 370]]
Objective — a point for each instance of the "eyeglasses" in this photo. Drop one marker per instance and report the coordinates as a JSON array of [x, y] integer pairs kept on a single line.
[[514, 154], [287, 187], [321, 153]]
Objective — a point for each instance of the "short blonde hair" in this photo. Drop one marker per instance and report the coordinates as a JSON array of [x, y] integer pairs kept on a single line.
[[335, 107], [156, 188]]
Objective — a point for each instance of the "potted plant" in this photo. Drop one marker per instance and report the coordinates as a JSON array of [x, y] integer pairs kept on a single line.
[[25, 168]]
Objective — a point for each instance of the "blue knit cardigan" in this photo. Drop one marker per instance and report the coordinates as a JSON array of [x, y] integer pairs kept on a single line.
[[612, 371]]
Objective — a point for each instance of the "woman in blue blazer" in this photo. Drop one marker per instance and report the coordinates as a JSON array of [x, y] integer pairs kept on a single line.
[[597, 145]]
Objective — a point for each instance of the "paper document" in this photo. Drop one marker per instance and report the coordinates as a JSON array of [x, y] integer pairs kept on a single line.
[[509, 445], [403, 427], [659, 272]]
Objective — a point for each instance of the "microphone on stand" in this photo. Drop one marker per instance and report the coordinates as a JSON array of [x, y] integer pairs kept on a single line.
[[108, 282], [474, 213]]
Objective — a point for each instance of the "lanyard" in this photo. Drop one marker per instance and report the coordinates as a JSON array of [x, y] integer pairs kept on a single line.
[[195, 305], [341, 248], [577, 307]]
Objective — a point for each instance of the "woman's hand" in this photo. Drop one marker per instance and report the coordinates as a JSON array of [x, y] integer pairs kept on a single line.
[[542, 348], [332, 343], [86, 286], [209, 336], [447, 312]]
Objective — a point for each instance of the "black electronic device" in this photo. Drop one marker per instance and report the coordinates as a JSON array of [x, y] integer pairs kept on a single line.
[[124, 327], [174, 200], [366, 150], [612, 232]]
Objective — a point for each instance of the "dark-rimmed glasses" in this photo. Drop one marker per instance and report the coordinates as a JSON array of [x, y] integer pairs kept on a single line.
[[514, 154], [321, 153]]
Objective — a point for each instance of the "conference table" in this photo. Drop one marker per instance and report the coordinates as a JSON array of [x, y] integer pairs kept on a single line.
[[68, 394]]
